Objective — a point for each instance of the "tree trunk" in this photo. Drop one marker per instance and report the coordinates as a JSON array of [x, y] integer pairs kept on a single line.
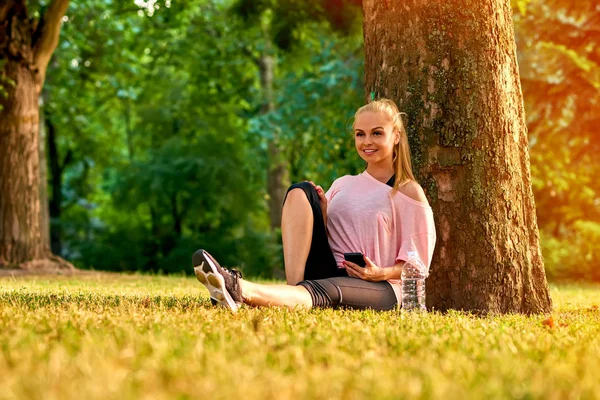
[[56, 175], [44, 210], [451, 66], [129, 129], [20, 233], [177, 216], [24, 51], [277, 174]]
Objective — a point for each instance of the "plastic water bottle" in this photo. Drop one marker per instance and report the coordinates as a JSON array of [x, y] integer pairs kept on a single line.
[[413, 283]]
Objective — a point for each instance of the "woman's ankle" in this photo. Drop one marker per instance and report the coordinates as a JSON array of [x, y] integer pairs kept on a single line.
[[246, 287]]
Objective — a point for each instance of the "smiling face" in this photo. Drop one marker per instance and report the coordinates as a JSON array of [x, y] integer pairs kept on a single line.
[[374, 137]]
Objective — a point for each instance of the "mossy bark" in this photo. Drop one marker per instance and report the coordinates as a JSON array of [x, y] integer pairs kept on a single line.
[[451, 66]]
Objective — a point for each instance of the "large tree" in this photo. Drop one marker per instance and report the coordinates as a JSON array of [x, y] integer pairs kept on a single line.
[[451, 66], [26, 46]]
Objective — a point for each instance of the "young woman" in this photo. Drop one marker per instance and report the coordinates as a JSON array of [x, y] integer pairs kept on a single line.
[[381, 213]]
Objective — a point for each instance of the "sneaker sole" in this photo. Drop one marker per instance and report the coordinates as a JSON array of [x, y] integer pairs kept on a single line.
[[208, 275]]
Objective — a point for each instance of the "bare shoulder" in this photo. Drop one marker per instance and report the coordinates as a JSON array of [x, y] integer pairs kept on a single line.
[[413, 190]]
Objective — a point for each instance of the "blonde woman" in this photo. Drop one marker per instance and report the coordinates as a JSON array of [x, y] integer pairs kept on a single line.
[[381, 213]]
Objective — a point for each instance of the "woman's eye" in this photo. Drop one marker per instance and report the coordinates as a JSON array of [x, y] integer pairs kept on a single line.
[[359, 134], [377, 133]]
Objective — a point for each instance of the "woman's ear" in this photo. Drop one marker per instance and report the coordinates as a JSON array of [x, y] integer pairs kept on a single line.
[[396, 136]]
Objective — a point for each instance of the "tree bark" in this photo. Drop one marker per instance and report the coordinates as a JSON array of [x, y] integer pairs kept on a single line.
[[277, 174], [25, 49], [451, 66], [44, 207]]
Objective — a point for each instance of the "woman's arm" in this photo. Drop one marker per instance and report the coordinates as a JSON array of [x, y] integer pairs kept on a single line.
[[394, 272], [372, 272], [322, 200]]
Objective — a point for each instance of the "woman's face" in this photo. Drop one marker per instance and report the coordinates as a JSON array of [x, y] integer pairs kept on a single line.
[[374, 137]]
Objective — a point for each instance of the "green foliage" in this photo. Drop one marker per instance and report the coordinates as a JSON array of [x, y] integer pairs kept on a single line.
[[166, 141], [157, 123], [317, 85], [559, 60], [181, 197], [560, 72], [520, 5], [103, 336], [287, 21], [313, 113], [154, 104], [576, 257]]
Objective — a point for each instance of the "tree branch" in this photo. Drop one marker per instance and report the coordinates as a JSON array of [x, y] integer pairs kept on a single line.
[[66, 161], [46, 37]]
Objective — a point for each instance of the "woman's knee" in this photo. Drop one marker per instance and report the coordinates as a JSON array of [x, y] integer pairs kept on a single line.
[[305, 186], [300, 190]]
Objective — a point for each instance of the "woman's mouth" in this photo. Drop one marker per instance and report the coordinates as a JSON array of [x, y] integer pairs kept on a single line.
[[369, 151]]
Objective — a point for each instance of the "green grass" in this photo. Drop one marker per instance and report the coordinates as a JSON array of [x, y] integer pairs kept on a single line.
[[126, 337]]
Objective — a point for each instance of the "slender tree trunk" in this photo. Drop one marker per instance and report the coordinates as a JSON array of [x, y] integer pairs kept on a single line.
[[277, 174], [451, 66], [177, 217], [44, 208], [56, 175], [129, 130], [25, 49]]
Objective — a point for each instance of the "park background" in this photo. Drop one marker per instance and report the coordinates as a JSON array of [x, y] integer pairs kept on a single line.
[[166, 122], [159, 134]]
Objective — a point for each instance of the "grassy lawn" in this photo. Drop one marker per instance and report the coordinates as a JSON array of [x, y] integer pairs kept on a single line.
[[124, 337]]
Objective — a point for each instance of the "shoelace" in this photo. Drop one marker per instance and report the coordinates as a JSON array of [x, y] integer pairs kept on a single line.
[[236, 275], [234, 272]]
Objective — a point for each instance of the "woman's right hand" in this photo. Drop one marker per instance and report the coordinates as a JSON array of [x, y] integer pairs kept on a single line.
[[322, 199]]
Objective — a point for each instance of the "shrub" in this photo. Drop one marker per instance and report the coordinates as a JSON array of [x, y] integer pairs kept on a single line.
[[576, 255]]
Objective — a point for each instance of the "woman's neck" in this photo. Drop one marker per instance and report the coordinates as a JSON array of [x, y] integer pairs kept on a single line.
[[382, 173]]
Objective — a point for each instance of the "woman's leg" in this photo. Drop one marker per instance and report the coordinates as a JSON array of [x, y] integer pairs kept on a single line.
[[296, 234], [275, 295], [348, 292], [306, 250], [227, 288]]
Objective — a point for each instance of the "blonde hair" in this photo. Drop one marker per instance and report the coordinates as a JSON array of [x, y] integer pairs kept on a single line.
[[401, 160]]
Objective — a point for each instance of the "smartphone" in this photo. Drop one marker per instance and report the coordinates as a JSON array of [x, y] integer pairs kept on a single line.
[[356, 258]]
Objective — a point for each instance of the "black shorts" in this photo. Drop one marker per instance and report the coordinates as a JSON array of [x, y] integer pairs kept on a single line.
[[328, 285]]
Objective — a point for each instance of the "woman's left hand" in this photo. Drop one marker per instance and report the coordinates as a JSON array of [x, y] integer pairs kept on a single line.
[[370, 272]]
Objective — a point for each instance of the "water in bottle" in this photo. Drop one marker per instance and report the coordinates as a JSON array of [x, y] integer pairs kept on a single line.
[[413, 283]]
